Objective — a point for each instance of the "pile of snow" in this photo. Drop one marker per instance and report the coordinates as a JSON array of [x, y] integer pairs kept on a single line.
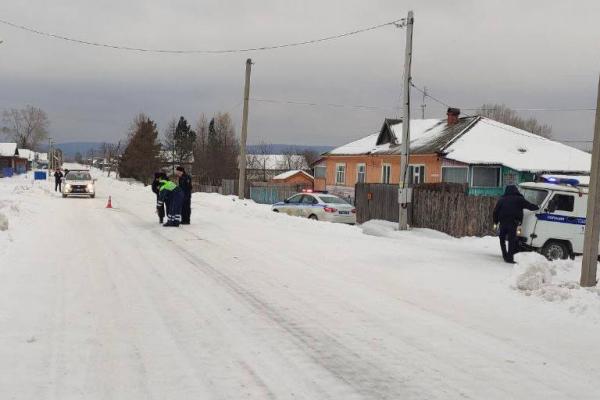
[[554, 281], [379, 228]]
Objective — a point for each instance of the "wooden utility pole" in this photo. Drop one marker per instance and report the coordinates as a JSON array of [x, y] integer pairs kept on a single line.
[[403, 192], [242, 164], [592, 222]]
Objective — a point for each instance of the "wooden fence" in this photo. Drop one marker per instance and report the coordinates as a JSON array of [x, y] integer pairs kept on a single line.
[[443, 207]]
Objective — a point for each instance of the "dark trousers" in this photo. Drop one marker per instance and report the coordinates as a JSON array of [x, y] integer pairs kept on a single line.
[[174, 207], [508, 233], [160, 209], [57, 185], [186, 209]]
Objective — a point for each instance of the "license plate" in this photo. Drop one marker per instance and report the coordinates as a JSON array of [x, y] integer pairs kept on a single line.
[[344, 212]]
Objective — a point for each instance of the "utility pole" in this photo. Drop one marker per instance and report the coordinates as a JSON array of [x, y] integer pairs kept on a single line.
[[404, 195], [242, 164], [423, 105], [592, 222]]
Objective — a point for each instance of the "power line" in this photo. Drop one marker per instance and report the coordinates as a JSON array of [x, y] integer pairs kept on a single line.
[[201, 51], [428, 94], [314, 104]]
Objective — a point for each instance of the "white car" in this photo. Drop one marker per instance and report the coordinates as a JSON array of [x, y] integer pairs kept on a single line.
[[78, 182], [318, 206]]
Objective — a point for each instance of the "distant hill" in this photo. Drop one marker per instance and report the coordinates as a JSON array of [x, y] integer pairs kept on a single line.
[[70, 148]]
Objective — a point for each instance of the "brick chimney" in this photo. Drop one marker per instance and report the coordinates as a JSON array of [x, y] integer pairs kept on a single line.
[[453, 114]]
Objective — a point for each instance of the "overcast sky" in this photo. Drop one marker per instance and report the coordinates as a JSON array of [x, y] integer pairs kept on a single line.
[[526, 54]]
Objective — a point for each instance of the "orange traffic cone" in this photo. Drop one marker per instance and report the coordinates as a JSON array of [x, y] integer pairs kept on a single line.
[[109, 204]]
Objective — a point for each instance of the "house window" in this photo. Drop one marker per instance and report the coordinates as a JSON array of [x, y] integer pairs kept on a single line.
[[361, 170], [416, 174], [486, 177], [321, 171], [340, 174], [455, 174], [386, 173]]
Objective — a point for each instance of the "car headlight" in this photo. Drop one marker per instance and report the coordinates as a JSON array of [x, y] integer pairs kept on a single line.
[[68, 187], [519, 231], [90, 187]]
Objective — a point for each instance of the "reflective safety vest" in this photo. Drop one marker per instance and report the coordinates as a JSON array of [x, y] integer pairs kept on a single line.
[[167, 185]]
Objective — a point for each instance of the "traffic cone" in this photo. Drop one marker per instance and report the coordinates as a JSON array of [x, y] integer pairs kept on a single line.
[[109, 204]]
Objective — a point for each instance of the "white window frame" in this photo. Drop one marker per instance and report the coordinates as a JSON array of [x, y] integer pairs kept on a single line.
[[337, 172], [411, 179], [324, 167], [456, 167], [364, 173], [472, 175], [383, 167]]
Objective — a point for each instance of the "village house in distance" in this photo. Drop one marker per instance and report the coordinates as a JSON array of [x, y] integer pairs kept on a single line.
[[483, 153]]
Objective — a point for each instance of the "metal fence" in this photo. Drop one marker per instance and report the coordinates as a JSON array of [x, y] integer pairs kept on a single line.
[[443, 207]]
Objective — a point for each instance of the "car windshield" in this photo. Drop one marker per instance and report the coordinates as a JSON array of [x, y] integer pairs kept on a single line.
[[78, 176], [332, 200], [535, 196]]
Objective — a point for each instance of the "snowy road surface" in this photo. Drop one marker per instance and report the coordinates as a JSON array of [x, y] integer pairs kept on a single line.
[[245, 303]]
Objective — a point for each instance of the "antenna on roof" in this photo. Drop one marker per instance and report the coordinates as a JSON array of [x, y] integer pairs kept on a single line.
[[423, 105]]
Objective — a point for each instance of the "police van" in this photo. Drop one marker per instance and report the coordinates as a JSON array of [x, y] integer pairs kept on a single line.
[[557, 229]]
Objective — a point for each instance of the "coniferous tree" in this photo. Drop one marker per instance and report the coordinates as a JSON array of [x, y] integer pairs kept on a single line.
[[141, 155]]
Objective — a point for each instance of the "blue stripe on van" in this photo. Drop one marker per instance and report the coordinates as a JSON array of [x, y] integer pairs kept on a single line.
[[562, 219]]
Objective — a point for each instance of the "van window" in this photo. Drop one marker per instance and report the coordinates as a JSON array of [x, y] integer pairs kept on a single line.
[[562, 202], [534, 196]]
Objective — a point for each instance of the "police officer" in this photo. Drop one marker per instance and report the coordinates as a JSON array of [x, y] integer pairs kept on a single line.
[[172, 195], [185, 183], [160, 210], [58, 180], [509, 214]]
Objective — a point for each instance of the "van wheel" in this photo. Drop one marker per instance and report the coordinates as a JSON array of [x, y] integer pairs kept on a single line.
[[313, 217], [554, 250]]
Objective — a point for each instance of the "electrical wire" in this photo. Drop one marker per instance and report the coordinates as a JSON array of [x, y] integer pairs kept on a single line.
[[201, 51]]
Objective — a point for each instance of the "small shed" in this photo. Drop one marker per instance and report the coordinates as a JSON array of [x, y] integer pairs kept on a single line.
[[294, 177], [10, 161]]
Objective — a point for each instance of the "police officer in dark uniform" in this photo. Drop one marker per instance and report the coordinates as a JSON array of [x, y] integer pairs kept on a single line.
[[509, 214], [185, 183], [172, 195], [58, 180], [160, 210]]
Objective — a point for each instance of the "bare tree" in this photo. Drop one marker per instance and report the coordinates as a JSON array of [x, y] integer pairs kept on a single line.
[[169, 145], [110, 151], [27, 126], [258, 162], [310, 156], [502, 113], [216, 150], [292, 160]]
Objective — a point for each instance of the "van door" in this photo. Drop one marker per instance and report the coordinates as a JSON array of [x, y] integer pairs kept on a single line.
[[559, 220]]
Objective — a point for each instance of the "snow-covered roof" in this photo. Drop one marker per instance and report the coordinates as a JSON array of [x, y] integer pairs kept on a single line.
[[29, 155], [476, 140], [491, 142], [275, 162], [8, 149], [291, 173]]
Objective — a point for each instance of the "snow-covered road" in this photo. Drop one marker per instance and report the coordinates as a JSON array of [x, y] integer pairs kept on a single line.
[[245, 303]]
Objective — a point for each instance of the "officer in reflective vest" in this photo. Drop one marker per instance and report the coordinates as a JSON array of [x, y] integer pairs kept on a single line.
[[170, 193]]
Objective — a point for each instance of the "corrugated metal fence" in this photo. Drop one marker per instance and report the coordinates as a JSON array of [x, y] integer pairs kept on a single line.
[[443, 207]]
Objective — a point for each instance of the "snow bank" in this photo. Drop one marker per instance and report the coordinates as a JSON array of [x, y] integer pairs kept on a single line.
[[379, 228], [555, 281]]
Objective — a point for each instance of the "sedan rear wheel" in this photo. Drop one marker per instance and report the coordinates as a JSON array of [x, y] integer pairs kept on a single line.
[[313, 217]]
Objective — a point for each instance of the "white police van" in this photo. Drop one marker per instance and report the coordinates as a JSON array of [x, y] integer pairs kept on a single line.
[[557, 229]]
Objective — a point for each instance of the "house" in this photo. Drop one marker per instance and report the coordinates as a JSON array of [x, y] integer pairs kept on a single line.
[[263, 167], [294, 177], [10, 161], [483, 153], [30, 156]]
